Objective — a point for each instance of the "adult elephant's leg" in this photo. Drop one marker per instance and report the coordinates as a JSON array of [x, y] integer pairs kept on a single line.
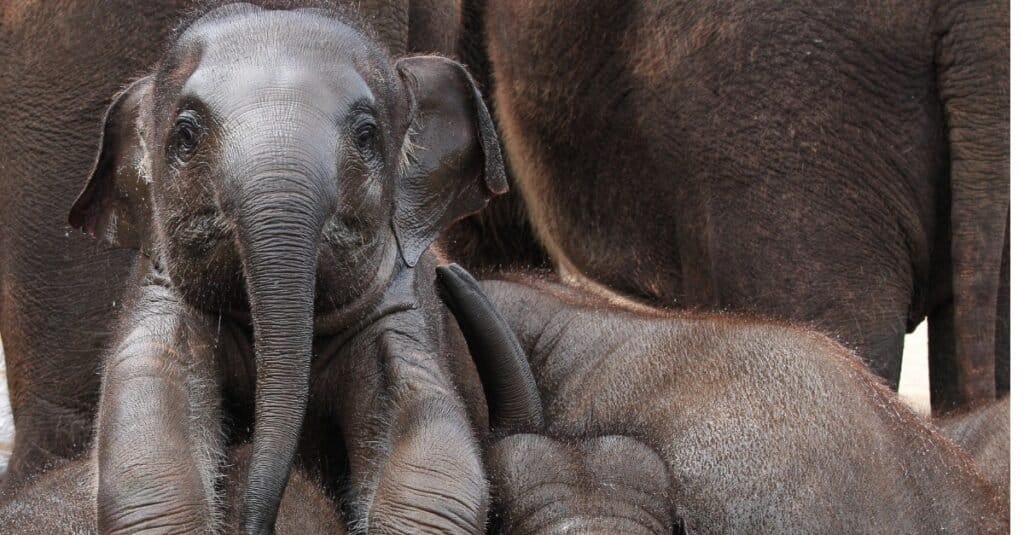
[[941, 355], [52, 340], [59, 291], [972, 63], [59, 297], [1003, 319], [942, 350]]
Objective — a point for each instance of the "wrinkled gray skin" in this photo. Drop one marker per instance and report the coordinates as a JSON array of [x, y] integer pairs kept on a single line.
[[286, 177], [63, 500], [765, 427], [60, 63], [605, 485], [546, 484], [984, 433]]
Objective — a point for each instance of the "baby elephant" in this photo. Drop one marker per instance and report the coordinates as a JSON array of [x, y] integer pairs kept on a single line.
[[763, 426], [984, 433], [63, 500], [283, 177]]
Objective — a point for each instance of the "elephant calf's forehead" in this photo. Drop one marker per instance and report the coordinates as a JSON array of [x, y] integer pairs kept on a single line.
[[286, 48]]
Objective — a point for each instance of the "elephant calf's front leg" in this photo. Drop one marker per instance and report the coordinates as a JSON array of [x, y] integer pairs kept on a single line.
[[432, 479], [417, 468], [158, 429]]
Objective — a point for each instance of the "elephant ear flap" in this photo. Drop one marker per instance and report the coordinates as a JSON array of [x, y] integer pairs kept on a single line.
[[451, 158], [115, 205]]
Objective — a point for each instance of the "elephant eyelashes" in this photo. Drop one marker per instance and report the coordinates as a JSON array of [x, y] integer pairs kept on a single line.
[[186, 136]]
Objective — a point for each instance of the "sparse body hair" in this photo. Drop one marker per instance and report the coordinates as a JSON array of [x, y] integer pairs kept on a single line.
[[764, 426]]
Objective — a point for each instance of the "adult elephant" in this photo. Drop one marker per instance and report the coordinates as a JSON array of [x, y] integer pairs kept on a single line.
[[843, 165], [59, 291]]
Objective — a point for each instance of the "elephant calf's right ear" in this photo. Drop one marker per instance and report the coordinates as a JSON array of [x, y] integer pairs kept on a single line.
[[115, 205]]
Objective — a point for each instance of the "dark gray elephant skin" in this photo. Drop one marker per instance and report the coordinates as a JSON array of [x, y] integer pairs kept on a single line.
[[60, 63], [63, 500], [829, 163], [285, 178], [764, 427], [984, 433], [606, 485], [545, 484]]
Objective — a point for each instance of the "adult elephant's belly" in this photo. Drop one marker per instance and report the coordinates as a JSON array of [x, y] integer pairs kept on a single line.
[[758, 159], [60, 292]]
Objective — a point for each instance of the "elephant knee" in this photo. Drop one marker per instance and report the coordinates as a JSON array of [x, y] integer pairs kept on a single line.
[[433, 480], [151, 508]]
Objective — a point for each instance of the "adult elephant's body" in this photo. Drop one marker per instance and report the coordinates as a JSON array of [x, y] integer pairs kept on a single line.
[[842, 165], [60, 291]]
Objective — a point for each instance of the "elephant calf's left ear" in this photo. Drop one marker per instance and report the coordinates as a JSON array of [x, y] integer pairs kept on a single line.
[[115, 205], [453, 163]]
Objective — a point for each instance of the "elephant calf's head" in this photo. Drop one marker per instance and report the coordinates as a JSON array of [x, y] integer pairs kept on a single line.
[[611, 484], [288, 133], [279, 163]]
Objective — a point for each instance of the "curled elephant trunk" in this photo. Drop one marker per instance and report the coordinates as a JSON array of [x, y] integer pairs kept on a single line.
[[513, 397], [279, 232]]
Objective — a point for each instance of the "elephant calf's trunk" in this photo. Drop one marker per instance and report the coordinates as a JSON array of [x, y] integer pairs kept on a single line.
[[279, 255]]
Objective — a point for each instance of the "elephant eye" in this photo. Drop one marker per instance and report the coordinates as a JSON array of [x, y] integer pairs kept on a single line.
[[366, 137], [186, 135]]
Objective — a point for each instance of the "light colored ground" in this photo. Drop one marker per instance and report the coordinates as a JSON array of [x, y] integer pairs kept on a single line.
[[914, 377], [6, 421]]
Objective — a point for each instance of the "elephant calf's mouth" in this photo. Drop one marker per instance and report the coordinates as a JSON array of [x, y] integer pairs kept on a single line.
[[203, 234]]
